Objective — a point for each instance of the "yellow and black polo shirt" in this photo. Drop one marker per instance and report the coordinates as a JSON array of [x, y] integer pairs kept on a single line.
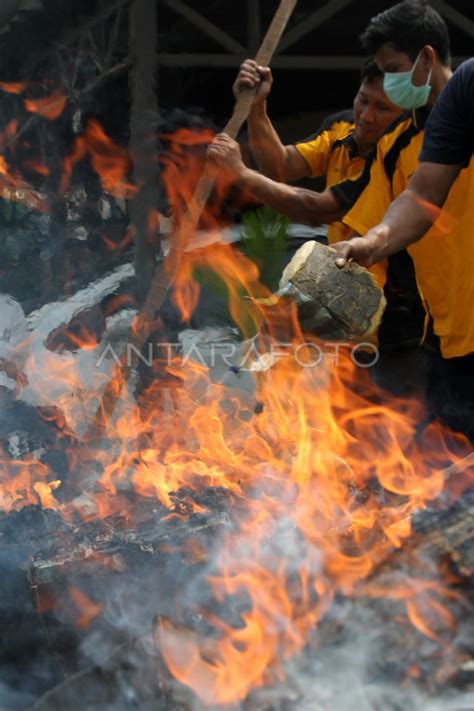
[[444, 257], [332, 153]]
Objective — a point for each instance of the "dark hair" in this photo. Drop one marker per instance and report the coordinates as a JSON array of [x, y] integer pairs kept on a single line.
[[408, 27], [370, 72]]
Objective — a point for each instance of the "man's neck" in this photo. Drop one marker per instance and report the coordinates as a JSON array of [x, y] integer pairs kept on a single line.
[[440, 78], [363, 149]]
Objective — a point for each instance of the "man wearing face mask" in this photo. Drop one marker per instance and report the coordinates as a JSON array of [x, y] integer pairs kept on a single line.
[[411, 45], [337, 151]]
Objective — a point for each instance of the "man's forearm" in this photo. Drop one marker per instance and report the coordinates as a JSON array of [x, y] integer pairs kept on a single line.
[[298, 204], [265, 144], [407, 219], [412, 214], [405, 222]]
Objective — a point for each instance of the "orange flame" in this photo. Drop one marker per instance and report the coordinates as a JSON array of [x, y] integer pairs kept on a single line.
[[24, 482], [87, 609], [444, 223], [327, 463], [12, 186], [13, 87], [51, 107], [184, 162], [110, 161], [423, 604]]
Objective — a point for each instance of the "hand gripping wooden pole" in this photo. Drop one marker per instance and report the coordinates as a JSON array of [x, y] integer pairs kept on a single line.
[[166, 271]]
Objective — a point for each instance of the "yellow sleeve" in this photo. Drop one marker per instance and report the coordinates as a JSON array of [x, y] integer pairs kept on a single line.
[[316, 152], [374, 200]]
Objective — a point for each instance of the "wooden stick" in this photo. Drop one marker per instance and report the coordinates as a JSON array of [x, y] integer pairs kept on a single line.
[[163, 278], [166, 271]]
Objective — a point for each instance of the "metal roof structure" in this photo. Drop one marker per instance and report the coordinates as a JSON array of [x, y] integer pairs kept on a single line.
[[318, 36], [322, 34], [201, 43]]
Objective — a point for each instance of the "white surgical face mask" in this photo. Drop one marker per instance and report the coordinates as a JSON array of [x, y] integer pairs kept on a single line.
[[399, 88]]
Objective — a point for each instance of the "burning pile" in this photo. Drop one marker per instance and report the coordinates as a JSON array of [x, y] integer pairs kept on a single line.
[[223, 526]]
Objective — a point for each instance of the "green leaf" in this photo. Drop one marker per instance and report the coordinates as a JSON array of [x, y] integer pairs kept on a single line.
[[265, 242]]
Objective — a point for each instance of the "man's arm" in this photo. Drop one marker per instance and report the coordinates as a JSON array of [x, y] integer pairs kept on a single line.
[[298, 204], [406, 220], [279, 162], [447, 147]]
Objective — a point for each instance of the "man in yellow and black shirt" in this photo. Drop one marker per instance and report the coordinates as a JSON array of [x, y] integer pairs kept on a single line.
[[444, 258], [333, 153], [340, 148]]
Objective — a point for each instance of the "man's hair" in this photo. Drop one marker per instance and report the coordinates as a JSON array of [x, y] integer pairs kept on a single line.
[[408, 27], [370, 72]]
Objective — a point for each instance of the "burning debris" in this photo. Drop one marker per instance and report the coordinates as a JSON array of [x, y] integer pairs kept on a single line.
[[253, 527], [228, 535]]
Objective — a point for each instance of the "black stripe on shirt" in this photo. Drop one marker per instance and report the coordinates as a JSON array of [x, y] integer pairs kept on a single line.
[[391, 157], [417, 119], [347, 192], [346, 116], [349, 142]]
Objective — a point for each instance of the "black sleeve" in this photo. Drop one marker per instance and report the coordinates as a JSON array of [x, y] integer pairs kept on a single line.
[[348, 191], [346, 116], [449, 131]]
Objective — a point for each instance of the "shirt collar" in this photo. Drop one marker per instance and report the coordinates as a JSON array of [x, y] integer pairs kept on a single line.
[[351, 145], [420, 116]]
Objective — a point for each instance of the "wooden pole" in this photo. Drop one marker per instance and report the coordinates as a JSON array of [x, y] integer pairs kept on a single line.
[[166, 271], [143, 136]]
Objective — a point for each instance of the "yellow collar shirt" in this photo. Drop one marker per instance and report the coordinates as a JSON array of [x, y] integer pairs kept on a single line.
[[444, 258], [333, 153]]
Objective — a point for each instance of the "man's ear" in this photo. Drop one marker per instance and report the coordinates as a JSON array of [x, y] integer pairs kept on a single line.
[[429, 56]]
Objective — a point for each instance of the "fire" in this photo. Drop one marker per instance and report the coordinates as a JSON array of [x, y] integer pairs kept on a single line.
[[51, 107], [183, 157], [325, 473], [222, 671], [45, 492], [183, 163], [24, 482], [239, 274], [443, 221], [126, 240], [13, 87], [110, 161], [87, 609], [312, 490], [12, 184], [425, 602]]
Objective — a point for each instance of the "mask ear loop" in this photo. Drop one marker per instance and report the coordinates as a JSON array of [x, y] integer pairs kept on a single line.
[[429, 77], [427, 83]]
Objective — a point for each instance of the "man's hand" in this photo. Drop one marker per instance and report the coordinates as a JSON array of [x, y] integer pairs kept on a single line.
[[356, 249], [251, 76], [225, 153], [374, 247]]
